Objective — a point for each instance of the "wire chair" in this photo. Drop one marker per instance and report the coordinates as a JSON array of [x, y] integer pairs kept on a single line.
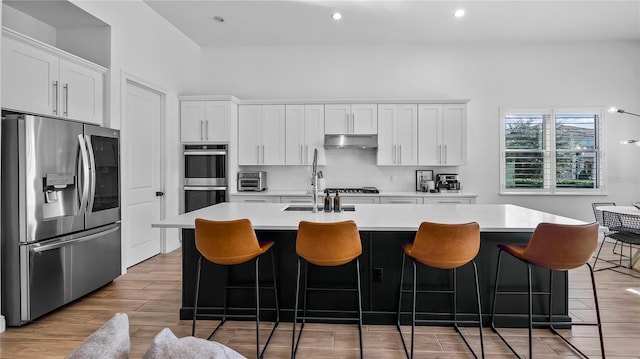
[[623, 228], [598, 216]]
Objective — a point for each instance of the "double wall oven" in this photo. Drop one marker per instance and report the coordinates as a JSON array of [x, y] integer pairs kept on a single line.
[[205, 180]]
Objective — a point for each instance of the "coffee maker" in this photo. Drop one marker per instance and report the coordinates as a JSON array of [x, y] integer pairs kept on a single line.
[[447, 182]]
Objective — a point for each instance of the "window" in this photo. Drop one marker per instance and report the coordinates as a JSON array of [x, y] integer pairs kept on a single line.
[[551, 151]]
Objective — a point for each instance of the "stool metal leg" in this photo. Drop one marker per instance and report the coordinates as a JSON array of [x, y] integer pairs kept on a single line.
[[404, 345], [530, 301], [413, 305], [195, 300], [258, 354], [475, 273], [493, 307], [294, 343], [595, 299], [359, 307]]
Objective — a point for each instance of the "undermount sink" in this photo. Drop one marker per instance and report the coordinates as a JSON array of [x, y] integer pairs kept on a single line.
[[299, 208]]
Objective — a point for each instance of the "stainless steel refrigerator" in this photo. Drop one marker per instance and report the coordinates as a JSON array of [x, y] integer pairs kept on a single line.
[[60, 213]]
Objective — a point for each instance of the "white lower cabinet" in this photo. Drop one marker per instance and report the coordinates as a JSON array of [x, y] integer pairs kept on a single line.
[[298, 199], [255, 199], [359, 200], [404, 200], [456, 200]]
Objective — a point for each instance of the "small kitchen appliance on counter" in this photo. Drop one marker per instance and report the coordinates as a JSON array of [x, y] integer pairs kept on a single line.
[[252, 181], [448, 182]]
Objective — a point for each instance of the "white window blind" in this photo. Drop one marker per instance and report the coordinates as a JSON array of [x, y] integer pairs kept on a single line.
[[551, 151]]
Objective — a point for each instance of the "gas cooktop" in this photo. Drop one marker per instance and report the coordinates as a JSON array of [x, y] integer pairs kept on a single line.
[[353, 190]]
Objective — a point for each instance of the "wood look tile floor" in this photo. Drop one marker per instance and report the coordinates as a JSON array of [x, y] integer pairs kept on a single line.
[[150, 293]]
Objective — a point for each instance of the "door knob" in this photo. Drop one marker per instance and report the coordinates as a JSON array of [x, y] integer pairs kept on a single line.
[[159, 194]]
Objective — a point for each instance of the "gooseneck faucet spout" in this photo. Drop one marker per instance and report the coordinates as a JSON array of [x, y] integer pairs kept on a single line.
[[314, 181]]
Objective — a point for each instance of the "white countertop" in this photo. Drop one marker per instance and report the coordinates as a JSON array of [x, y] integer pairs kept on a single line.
[[376, 217], [383, 194]]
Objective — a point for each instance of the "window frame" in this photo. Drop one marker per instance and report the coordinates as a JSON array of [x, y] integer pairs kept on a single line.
[[550, 182]]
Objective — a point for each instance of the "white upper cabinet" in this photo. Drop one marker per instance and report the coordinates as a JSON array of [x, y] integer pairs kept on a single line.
[[304, 133], [397, 134], [261, 135], [206, 121], [82, 92], [359, 119], [41, 79], [442, 135]]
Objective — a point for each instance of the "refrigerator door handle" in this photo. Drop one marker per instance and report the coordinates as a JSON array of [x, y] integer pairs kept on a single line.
[[62, 243], [92, 170], [85, 172]]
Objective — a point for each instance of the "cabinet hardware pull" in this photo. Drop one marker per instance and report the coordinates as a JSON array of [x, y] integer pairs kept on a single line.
[[262, 154], [55, 93], [306, 154], [206, 129], [393, 154], [66, 99], [201, 130], [445, 154], [400, 154], [439, 153], [258, 154]]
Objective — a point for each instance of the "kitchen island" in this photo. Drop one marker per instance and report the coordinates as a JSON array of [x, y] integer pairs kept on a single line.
[[383, 228]]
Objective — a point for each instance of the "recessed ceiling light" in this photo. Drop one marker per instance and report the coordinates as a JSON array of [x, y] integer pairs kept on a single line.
[[458, 13], [218, 19], [336, 16]]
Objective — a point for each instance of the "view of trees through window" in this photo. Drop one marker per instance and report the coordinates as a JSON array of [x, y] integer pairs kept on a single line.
[[551, 150]]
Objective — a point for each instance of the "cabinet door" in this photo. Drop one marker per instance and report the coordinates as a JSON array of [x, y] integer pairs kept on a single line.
[[249, 135], [337, 118], [192, 121], [273, 135], [255, 199], [449, 200], [429, 147], [81, 92], [401, 200], [359, 200], [294, 133], [314, 134], [454, 134], [364, 119], [387, 116], [406, 134], [29, 78], [217, 119]]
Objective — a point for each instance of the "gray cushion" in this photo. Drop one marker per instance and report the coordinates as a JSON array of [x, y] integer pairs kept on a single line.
[[111, 341], [167, 345]]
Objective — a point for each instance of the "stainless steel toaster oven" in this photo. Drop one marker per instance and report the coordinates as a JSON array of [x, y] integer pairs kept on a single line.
[[252, 181]]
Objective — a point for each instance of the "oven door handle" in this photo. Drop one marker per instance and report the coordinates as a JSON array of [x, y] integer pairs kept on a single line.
[[205, 153], [192, 188]]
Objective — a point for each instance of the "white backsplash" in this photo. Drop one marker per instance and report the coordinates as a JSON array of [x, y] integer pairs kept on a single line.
[[347, 168]]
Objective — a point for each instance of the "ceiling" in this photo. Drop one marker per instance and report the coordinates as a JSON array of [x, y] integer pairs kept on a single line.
[[376, 22]]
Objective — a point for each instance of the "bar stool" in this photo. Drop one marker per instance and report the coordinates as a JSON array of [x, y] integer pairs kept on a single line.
[[229, 243], [326, 245], [441, 246], [556, 247]]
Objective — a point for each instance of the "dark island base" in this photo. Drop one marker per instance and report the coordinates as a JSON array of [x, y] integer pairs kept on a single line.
[[381, 255]]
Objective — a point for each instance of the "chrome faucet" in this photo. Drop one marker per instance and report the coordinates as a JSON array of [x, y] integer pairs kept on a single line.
[[314, 181]]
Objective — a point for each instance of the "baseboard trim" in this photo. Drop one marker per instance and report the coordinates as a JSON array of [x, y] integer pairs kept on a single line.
[[3, 324]]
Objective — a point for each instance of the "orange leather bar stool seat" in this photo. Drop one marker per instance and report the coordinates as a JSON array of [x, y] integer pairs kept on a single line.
[[326, 244], [229, 243], [556, 247], [441, 246]]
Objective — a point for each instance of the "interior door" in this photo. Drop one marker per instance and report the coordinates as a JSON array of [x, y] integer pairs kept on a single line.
[[142, 178]]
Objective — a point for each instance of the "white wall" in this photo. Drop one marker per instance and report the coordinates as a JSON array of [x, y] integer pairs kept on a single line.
[[582, 74], [146, 46]]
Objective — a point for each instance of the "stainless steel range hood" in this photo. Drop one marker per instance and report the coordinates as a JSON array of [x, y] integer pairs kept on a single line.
[[351, 141]]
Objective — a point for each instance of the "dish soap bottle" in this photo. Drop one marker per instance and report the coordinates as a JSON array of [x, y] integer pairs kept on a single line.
[[336, 203], [327, 203]]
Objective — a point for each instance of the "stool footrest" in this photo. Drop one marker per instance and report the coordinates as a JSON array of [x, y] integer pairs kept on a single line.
[[355, 320], [523, 293], [332, 289]]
